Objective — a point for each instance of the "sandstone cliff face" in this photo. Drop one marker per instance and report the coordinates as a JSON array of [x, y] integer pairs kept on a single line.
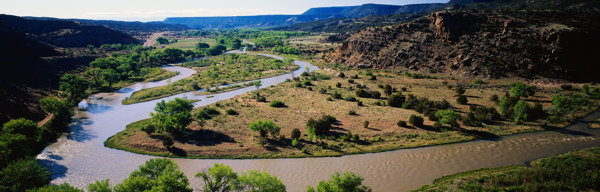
[[487, 45]]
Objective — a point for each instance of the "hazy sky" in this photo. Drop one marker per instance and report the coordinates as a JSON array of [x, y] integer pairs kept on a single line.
[[158, 10]]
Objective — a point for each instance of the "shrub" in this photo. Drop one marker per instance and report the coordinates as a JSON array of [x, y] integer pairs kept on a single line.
[[373, 77], [362, 93], [566, 87], [277, 103], [261, 99], [338, 85], [298, 84], [462, 100], [355, 77], [351, 112], [432, 117], [323, 91], [376, 94], [265, 127], [437, 125], [336, 95], [447, 117], [350, 80], [460, 90], [231, 112], [167, 142], [366, 124], [296, 133], [478, 82], [294, 142], [149, 129], [304, 74], [401, 123], [321, 126], [356, 137], [403, 89], [359, 103], [380, 86], [350, 98], [396, 100], [329, 99], [416, 121], [304, 150], [307, 83], [494, 98], [341, 75]]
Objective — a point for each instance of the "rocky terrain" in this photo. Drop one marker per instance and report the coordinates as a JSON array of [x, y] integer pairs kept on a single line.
[[493, 44]]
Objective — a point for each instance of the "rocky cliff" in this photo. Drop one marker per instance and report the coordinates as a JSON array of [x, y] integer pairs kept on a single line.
[[556, 44]]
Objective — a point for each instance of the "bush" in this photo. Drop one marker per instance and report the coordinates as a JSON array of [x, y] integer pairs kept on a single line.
[[351, 112], [321, 126], [366, 124], [338, 85], [566, 87], [329, 99], [432, 117], [356, 137], [350, 98], [296, 133], [373, 77], [149, 129], [323, 91], [265, 127], [396, 100], [437, 125], [448, 117], [168, 142], [494, 98], [350, 80], [277, 103], [478, 82], [231, 112], [336, 95], [416, 121], [462, 100], [261, 99], [341, 75], [401, 123], [376, 94], [294, 142], [460, 90], [359, 103]]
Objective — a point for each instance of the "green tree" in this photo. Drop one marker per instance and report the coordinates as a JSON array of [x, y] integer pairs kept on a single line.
[[387, 90], [521, 111], [65, 187], [74, 87], [257, 84], [110, 76], [265, 127], [447, 117], [100, 186], [162, 40], [95, 74], [12, 147], [462, 100], [257, 181], [90, 49], [202, 45], [155, 175], [172, 116], [22, 126], [349, 182], [520, 90], [23, 174], [219, 178]]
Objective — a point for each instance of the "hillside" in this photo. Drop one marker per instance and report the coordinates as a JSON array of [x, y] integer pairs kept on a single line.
[[351, 25], [63, 33], [133, 28], [529, 44], [313, 14], [527, 4], [15, 43]]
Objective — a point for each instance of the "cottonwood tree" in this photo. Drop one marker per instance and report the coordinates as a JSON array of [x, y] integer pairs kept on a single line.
[[172, 116], [349, 182]]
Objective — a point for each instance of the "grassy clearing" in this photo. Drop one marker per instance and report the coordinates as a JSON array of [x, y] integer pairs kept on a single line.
[[574, 171], [215, 71], [231, 137]]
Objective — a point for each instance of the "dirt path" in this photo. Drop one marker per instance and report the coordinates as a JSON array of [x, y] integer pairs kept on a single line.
[[43, 122], [152, 39]]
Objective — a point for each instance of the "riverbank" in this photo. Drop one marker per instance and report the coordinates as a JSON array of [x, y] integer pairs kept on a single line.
[[575, 171], [228, 136]]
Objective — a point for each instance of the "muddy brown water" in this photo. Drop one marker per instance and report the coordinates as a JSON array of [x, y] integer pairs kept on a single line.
[[79, 156]]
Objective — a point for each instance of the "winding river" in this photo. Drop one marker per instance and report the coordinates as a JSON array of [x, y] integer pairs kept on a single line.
[[79, 156]]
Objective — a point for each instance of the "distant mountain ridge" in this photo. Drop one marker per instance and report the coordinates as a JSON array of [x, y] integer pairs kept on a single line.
[[313, 14], [64, 33]]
